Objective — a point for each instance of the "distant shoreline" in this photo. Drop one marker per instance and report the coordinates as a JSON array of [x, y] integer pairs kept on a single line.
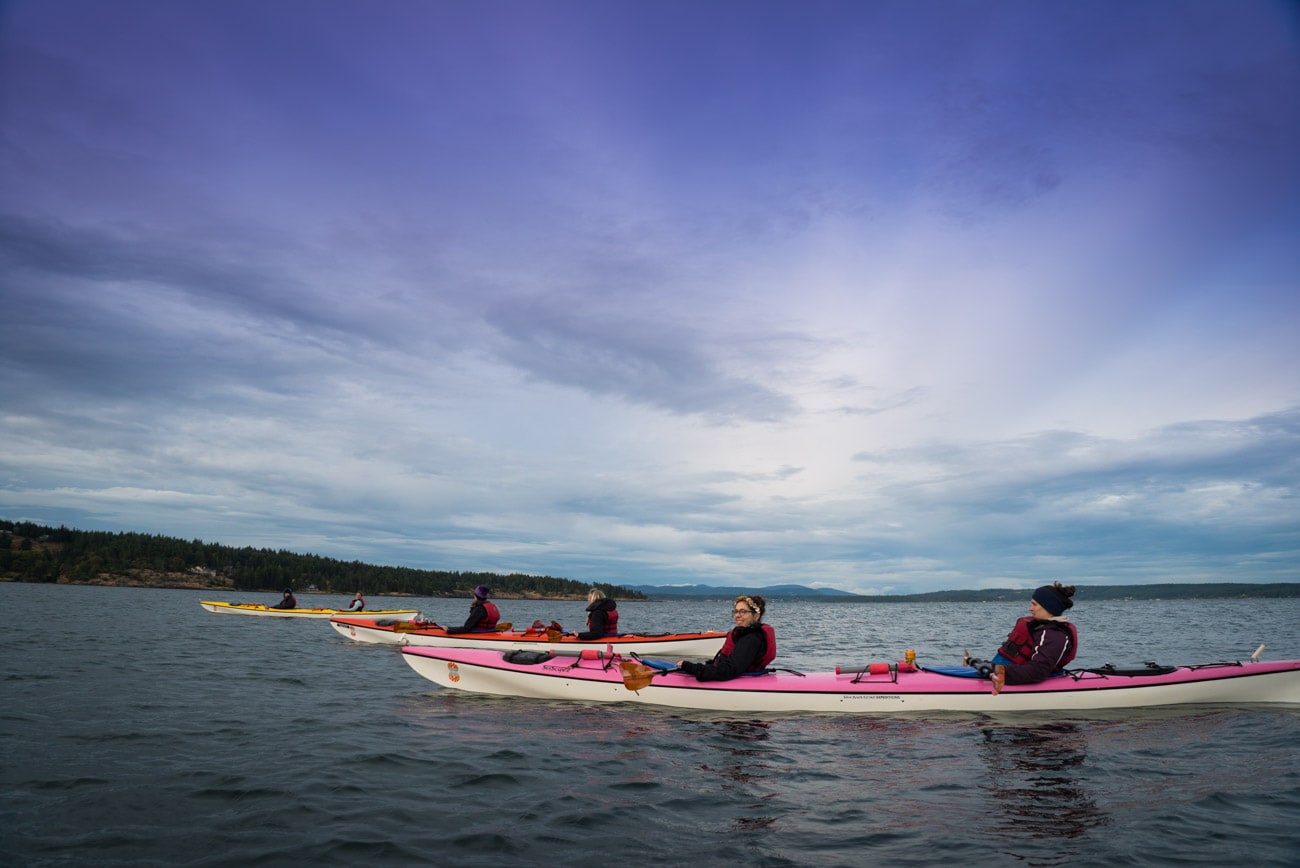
[[39, 554], [184, 582]]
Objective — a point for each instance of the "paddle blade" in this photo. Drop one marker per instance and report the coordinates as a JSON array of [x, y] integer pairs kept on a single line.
[[636, 676], [404, 627], [554, 635], [504, 626]]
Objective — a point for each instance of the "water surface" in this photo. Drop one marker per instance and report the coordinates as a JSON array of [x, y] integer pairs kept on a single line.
[[139, 729]]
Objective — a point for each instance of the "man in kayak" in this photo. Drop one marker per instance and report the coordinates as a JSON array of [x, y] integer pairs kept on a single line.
[[1040, 644], [750, 646], [602, 616], [287, 601], [358, 603], [483, 616]]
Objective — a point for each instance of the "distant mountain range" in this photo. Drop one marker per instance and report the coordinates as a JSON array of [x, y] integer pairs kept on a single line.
[[1205, 591], [711, 592]]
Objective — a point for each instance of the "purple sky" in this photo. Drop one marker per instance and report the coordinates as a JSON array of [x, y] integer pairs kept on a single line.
[[889, 297]]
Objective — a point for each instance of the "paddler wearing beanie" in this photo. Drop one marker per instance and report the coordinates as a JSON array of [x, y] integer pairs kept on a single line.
[[1040, 644], [483, 616]]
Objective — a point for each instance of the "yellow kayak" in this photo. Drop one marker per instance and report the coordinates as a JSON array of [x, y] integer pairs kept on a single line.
[[323, 614]]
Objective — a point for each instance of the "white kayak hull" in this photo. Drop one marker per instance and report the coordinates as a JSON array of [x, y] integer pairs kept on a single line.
[[675, 645], [258, 610], [599, 680]]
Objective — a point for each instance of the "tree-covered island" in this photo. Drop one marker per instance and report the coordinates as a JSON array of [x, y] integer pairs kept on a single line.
[[36, 553]]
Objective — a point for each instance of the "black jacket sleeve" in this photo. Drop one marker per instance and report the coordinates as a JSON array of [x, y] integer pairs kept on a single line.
[[599, 620], [746, 652], [476, 616]]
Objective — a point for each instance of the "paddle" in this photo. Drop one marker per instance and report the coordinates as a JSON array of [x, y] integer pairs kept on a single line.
[[637, 676], [661, 665], [997, 673], [411, 626]]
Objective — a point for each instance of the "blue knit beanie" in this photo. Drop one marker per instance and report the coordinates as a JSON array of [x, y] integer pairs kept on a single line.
[[1053, 602]]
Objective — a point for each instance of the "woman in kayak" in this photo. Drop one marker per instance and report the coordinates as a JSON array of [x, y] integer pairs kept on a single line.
[[750, 646], [602, 616], [287, 601], [1040, 644], [483, 616], [358, 603]]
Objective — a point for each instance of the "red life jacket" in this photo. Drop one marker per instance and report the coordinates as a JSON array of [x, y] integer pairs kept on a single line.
[[611, 622], [1019, 647], [767, 656], [493, 615]]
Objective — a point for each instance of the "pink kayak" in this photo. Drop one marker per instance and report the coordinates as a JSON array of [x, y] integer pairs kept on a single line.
[[607, 676]]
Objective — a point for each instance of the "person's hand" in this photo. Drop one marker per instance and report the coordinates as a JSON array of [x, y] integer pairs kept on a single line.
[[965, 657]]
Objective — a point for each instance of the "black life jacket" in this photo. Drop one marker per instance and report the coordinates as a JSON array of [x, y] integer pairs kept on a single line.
[[1019, 647], [765, 658]]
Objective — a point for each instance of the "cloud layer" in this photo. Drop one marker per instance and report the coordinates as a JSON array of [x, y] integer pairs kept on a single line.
[[888, 298]]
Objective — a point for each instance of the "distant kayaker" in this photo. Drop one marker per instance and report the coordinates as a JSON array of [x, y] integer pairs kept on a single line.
[[358, 603], [602, 616], [287, 601], [750, 646], [483, 615], [1038, 645]]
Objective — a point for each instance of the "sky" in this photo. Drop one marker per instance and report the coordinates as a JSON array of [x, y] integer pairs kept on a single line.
[[884, 297]]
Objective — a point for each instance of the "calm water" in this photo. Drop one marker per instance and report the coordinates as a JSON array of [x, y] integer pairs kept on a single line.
[[138, 729]]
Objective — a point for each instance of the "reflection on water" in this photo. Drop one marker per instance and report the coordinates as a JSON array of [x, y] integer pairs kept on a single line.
[[743, 767], [1036, 780], [745, 731]]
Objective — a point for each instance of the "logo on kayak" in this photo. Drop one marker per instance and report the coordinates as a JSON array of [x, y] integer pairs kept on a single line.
[[353, 631], [453, 673]]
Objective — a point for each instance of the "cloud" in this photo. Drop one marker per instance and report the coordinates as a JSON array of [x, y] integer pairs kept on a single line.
[[872, 298]]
